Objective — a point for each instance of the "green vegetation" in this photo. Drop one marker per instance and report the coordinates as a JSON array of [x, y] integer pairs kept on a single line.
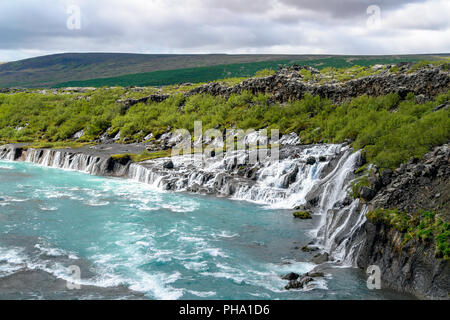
[[57, 145], [144, 156], [335, 64], [389, 129], [362, 181], [264, 73], [304, 215], [345, 74], [306, 74], [424, 226], [123, 158], [421, 64], [50, 70]]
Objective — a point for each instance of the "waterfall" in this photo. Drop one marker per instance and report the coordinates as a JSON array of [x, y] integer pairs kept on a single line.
[[321, 172]]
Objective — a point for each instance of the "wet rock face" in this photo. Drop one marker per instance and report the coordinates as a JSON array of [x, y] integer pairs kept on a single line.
[[366, 193], [409, 266], [320, 258], [287, 84]]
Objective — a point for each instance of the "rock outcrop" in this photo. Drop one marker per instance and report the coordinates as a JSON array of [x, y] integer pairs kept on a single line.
[[288, 84], [409, 265]]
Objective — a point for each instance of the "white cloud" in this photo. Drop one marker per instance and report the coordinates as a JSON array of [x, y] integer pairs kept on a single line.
[[30, 28]]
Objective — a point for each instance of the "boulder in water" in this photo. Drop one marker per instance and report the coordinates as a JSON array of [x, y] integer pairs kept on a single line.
[[311, 161], [290, 177], [291, 276], [320, 258], [309, 248], [168, 165], [304, 215], [300, 283]]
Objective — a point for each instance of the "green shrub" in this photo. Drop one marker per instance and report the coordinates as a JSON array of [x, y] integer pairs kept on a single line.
[[264, 73]]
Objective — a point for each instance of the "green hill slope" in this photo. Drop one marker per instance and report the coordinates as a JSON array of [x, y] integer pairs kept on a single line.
[[49, 70], [211, 73], [106, 69]]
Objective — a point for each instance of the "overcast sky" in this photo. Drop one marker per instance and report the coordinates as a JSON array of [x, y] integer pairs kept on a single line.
[[31, 28]]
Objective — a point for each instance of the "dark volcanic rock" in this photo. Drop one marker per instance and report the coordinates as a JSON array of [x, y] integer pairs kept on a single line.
[[320, 258], [410, 268], [366, 193], [290, 177], [168, 165], [311, 161], [291, 276], [287, 84], [310, 248], [409, 265], [300, 283], [413, 186]]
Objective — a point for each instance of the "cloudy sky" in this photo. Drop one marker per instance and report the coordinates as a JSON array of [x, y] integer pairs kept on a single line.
[[31, 28]]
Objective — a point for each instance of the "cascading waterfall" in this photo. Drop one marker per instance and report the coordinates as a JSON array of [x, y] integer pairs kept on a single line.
[[284, 184]]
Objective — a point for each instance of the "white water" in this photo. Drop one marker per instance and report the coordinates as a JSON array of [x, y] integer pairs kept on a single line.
[[284, 184]]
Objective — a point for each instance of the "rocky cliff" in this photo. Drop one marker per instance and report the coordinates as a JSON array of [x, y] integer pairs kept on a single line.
[[409, 265]]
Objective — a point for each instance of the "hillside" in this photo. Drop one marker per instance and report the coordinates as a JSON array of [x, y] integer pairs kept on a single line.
[[49, 70], [104, 69]]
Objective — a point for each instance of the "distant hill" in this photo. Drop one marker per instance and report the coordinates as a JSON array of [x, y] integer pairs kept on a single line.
[[104, 69], [49, 70]]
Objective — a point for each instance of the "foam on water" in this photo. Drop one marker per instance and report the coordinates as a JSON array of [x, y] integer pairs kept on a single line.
[[173, 245]]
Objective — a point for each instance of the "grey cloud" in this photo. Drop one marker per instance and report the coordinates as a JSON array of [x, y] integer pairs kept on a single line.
[[346, 8], [300, 26]]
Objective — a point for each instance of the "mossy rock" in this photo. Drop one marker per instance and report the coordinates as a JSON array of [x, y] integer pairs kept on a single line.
[[304, 215], [122, 158]]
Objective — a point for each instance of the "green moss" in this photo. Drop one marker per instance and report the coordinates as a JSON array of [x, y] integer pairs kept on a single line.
[[357, 184], [423, 226], [56, 145], [304, 215], [362, 169], [125, 157], [144, 156]]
